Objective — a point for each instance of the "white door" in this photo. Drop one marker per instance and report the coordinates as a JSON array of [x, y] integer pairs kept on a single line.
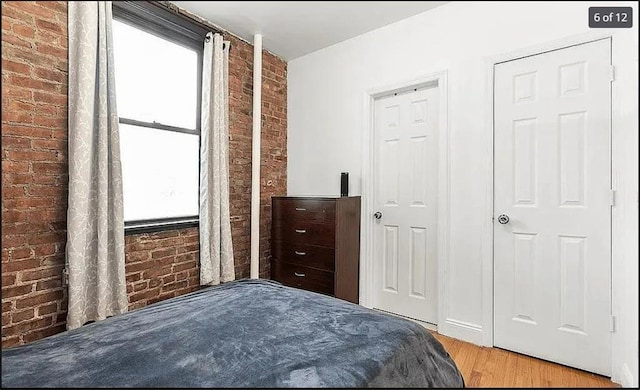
[[406, 188], [552, 258]]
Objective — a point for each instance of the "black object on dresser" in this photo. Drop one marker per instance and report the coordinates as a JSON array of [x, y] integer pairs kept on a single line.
[[315, 244]]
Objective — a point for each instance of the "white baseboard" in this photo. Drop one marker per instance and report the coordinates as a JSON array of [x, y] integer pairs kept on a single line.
[[462, 331], [626, 378]]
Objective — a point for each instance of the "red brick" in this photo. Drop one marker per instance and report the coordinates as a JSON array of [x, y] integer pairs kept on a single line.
[[133, 277], [53, 122], [21, 265], [47, 309], [7, 306], [39, 334], [30, 155], [55, 99], [27, 326], [13, 241], [9, 292], [168, 279], [10, 12], [39, 299], [16, 179], [28, 82], [156, 272], [27, 203], [12, 40], [16, 105], [47, 110], [164, 261], [14, 166], [6, 319], [7, 25], [45, 249], [42, 273], [32, 8], [17, 92], [18, 117], [46, 238], [183, 266], [57, 192], [175, 285], [22, 227], [25, 131], [52, 50], [53, 144], [15, 142], [59, 7], [20, 316], [8, 280], [154, 282], [144, 295], [24, 31], [53, 27], [12, 191], [9, 342], [21, 253], [49, 167], [163, 253], [48, 284], [132, 257], [142, 285], [17, 67]]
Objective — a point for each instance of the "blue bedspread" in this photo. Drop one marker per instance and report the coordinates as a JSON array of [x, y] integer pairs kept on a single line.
[[242, 334]]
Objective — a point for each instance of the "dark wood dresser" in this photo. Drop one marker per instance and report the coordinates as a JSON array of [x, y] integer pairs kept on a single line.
[[315, 244]]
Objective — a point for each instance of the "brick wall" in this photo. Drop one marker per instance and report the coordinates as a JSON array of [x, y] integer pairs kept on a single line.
[[34, 177]]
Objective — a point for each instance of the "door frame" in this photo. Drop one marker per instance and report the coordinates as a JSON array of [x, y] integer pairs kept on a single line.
[[488, 146], [367, 281]]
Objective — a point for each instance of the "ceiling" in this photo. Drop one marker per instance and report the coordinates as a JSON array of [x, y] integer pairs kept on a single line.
[[291, 29]]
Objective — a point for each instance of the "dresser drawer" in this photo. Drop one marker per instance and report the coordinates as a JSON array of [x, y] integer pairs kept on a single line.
[[304, 232], [305, 255], [302, 277], [310, 210]]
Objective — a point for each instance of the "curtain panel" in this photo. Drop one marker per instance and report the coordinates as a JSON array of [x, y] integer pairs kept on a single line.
[[95, 221], [216, 249]]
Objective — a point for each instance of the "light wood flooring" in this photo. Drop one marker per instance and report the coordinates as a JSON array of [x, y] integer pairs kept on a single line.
[[495, 367]]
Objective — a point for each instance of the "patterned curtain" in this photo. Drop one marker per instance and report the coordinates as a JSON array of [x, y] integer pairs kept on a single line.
[[95, 221], [216, 249]]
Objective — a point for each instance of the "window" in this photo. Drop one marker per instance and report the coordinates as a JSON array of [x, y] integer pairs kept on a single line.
[[158, 70]]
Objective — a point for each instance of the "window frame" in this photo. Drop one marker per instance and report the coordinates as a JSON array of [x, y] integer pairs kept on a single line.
[[161, 22]]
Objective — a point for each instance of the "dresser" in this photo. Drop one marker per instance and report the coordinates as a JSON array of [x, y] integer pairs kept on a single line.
[[315, 244]]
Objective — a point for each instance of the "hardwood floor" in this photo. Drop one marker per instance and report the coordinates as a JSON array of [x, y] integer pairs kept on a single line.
[[495, 367]]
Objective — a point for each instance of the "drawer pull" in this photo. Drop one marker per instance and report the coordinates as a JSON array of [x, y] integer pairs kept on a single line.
[[300, 209], [299, 275], [300, 253], [301, 231]]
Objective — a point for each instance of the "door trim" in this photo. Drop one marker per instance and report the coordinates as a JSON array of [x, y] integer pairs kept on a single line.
[[368, 175], [487, 254]]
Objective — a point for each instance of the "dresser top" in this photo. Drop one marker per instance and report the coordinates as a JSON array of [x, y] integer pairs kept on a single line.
[[319, 197]]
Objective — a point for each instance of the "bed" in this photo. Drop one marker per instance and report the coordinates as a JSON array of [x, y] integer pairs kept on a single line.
[[248, 333]]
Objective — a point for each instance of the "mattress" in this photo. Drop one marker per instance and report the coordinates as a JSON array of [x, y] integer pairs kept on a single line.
[[248, 333]]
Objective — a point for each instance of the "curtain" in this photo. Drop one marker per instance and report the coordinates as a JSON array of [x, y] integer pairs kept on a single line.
[[95, 220], [216, 249]]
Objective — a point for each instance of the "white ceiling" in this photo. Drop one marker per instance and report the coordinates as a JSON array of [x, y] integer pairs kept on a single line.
[[291, 29]]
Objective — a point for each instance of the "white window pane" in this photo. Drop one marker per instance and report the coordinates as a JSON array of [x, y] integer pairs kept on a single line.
[[156, 80], [160, 173]]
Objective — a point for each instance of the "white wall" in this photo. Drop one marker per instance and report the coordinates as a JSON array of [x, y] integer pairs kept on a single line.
[[325, 95]]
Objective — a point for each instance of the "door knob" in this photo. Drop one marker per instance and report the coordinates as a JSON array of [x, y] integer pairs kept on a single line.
[[503, 219], [377, 215]]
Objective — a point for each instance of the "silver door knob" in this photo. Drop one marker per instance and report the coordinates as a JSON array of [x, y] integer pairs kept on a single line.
[[377, 215], [503, 219]]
